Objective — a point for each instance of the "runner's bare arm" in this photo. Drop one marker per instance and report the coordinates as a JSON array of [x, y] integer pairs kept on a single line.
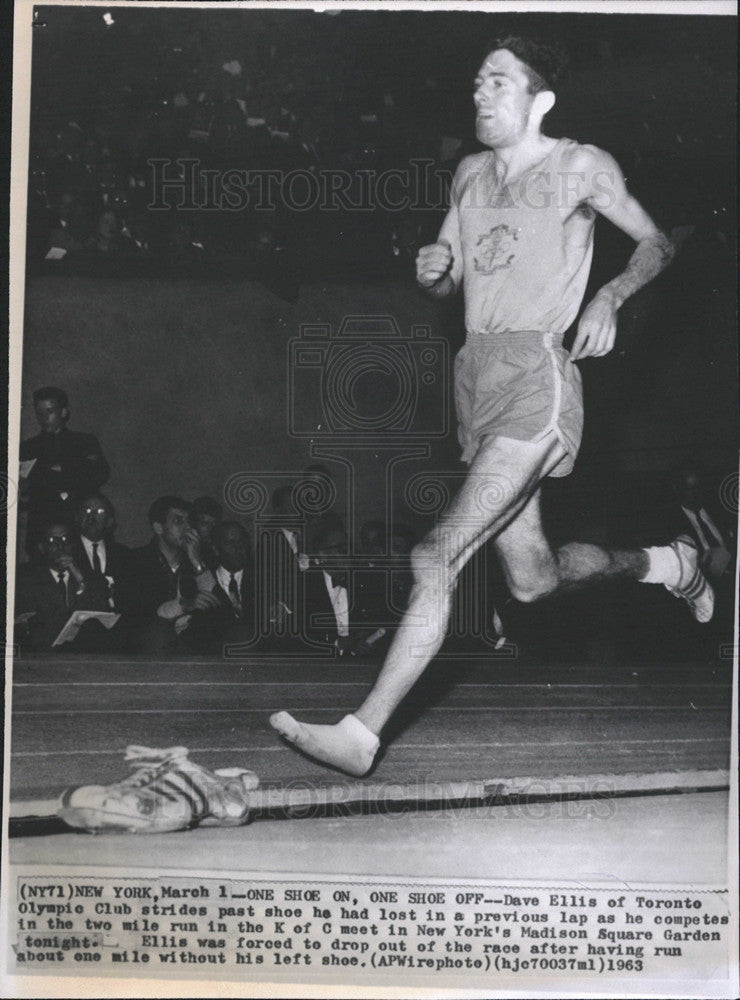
[[439, 266], [606, 192]]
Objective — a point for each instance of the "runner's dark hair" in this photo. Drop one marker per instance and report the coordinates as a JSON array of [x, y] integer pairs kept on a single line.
[[546, 62]]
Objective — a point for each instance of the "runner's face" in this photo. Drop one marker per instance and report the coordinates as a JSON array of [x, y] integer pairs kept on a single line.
[[502, 100]]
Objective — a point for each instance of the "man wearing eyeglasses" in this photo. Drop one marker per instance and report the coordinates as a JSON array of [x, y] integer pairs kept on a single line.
[[47, 593], [99, 555]]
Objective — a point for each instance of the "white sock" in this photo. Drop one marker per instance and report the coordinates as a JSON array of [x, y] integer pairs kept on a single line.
[[664, 566], [348, 745], [362, 734]]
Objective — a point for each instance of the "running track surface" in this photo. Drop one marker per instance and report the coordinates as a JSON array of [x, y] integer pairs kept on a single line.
[[72, 719]]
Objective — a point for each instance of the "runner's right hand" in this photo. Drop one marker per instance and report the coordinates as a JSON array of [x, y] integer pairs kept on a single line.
[[433, 262]]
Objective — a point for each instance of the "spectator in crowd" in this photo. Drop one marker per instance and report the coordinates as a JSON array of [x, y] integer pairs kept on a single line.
[[67, 465], [170, 579], [206, 515], [100, 557], [281, 568], [232, 618], [48, 591], [302, 601], [343, 610], [234, 573], [327, 588]]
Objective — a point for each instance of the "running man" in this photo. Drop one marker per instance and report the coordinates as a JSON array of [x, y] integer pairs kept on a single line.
[[519, 236]]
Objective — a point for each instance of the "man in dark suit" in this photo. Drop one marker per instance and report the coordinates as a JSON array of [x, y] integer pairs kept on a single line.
[[280, 567], [68, 465], [99, 555], [234, 573], [327, 600], [348, 611], [295, 608], [232, 618], [49, 591], [168, 578], [205, 515]]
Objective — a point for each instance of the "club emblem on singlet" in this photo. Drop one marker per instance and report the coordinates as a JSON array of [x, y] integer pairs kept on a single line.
[[494, 249]]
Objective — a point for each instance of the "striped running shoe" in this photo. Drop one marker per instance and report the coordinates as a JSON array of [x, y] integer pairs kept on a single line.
[[693, 586], [166, 792]]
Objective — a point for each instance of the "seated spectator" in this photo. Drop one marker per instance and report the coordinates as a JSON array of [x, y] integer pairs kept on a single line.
[[231, 619], [100, 556], [205, 516], [68, 465], [290, 595], [327, 595], [169, 578], [336, 613], [280, 568], [48, 592], [234, 573]]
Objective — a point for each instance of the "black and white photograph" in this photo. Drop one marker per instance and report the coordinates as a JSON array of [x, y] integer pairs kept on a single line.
[[372, 500]]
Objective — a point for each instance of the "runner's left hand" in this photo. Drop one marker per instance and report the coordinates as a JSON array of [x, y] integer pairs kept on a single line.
[[596, 329]]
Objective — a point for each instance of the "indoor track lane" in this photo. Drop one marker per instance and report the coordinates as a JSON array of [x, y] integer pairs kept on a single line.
[[72, 719]]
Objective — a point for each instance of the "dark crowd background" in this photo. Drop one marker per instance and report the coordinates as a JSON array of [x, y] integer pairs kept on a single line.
[[358, 91], [170, 328]]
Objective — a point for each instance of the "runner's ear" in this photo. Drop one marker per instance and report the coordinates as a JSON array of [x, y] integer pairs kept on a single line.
[[543, 102]]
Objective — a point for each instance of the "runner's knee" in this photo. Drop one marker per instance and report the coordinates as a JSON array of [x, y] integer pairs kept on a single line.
[[530, 587]]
